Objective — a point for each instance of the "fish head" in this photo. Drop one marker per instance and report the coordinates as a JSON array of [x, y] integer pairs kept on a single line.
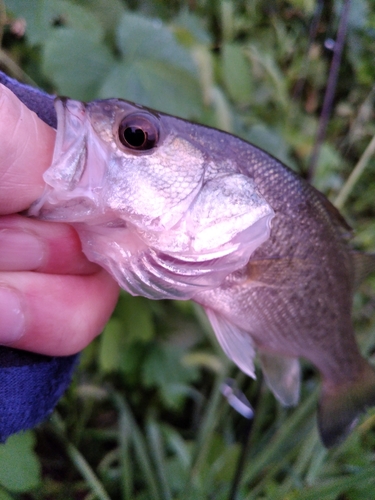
[[150, 199]]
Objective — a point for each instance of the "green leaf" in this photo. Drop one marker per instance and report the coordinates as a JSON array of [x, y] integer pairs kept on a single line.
[[156, 70], [222, 459], [189, 29], [142, 38], [40, 16], [5, 496], [307, 6], [155, 84], [236, 73], [79, 18], [107, 12], [203, 359], [136, 316], [271, 141], [273, 79], [327, 174], [358, 14], [111, 345], [19, 466], [121, 342], [76, 63], [163, 369]]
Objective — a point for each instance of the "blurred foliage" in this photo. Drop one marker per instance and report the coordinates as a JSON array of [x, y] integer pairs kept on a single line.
[[144, 418]]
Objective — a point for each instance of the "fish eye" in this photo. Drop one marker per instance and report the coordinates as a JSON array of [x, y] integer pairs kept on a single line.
[[139, 131]]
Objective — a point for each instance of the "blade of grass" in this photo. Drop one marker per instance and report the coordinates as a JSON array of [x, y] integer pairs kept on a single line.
[[241, 462], [178, 445], [316, 465], [269, 477], [125, 460], [355, 175], [78, 460], [334, 487], [156, 446], [205, 434], [246, 439], [282, 440], [139, 444], [300, 464]]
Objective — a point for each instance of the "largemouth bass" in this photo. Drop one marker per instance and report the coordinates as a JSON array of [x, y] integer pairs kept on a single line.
[[178, 210]]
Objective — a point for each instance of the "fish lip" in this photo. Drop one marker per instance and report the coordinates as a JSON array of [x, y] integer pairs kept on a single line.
[[71, 136], [68, 163]]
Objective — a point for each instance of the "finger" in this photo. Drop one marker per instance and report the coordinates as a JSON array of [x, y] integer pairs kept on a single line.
[[32, 245], [54, 315], [26, 148]]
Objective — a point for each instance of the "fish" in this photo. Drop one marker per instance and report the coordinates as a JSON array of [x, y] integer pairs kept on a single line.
[[177, 210]]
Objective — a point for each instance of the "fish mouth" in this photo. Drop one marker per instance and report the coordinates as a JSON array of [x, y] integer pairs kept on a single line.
[[72, 191], [68, 162]]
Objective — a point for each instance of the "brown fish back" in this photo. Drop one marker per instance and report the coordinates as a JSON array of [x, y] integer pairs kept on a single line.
[[295, 295]]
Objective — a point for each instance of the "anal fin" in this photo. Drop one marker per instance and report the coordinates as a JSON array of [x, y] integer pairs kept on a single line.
[[235, 342], [282, 375]]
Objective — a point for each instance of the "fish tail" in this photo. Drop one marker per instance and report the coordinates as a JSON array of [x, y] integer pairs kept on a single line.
[[341, 405]]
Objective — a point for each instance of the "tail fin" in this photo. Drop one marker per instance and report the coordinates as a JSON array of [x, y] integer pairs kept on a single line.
[[340, 406]]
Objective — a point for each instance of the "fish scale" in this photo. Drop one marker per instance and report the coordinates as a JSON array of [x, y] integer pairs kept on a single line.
[[189, 212]]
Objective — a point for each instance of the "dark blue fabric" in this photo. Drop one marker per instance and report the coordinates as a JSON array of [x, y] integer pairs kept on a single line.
[[30, 384]]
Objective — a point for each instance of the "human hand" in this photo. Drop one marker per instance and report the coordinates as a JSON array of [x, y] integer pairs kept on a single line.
[[52, 299]]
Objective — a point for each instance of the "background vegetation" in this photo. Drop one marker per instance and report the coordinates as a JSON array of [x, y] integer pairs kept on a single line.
[[144, 418]]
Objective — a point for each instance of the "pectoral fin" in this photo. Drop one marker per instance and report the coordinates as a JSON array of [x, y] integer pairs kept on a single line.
[[282, 375], [235, 342]]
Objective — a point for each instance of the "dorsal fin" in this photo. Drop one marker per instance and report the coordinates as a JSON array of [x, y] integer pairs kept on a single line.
[[364, 264], [282, 375], [235, 342]]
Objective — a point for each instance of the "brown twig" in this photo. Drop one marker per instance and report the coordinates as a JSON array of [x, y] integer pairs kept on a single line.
[[330, 89]]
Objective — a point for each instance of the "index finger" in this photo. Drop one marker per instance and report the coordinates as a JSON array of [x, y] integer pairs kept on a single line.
[[26, 148]]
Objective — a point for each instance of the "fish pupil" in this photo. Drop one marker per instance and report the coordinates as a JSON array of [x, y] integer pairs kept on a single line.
[[139, 131], [135, 137]]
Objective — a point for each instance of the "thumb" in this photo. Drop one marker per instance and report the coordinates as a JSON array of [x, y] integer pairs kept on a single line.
[[26, 148]]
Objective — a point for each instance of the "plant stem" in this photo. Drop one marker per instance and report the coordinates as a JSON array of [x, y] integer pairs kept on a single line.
[[354, 176]]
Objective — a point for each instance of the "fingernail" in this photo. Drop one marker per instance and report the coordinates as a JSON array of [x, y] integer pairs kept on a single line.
[[12, 319], [20, 251]]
